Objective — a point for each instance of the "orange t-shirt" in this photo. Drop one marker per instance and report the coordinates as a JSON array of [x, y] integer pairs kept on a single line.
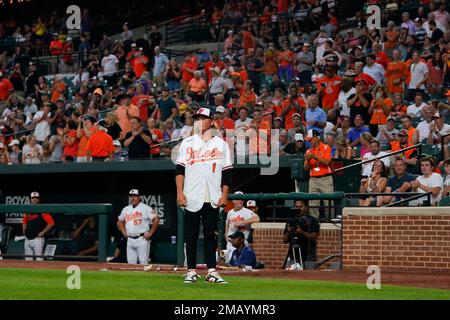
[[100, 144], [394, 71], [197, 85], [56, 47], [124, 119], [411, 132], [383, 59], [6, 87], [247, 98], [256, 144], [288, 124], [73, 149], [58, 91], [284, 56], [192, 64], [395, 146], [211, 65], [331, 92], [391, 44], [140, 66], [247, 40], [82, 152], [157, 150], [378, 115], [319, 169]]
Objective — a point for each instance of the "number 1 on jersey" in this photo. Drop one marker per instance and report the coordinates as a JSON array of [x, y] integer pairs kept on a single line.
[[214, 168]]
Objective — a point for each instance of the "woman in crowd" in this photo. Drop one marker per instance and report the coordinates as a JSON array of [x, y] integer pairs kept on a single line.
[[377, 183], [32, 152], [343, 149]]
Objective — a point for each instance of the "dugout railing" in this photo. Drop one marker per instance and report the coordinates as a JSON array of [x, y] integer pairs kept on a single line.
[[102, 210]]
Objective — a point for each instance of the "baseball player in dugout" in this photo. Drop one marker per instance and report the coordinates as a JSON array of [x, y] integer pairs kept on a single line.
[[203, 178], [35, 228], [134, 223], [317, 163]]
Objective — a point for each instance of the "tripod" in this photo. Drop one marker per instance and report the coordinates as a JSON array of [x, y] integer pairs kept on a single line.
[[292, 249]]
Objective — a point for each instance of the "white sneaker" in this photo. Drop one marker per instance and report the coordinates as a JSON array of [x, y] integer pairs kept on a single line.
[[215, 278], [191, 277]]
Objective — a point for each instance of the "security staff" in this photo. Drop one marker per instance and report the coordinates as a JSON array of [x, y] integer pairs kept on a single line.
[[317, 163]]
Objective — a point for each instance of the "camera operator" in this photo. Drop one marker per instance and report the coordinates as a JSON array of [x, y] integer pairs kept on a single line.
[[301, 232]]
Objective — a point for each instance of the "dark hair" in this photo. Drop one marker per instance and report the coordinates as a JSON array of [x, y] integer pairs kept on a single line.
[[447, 162], [137, 119], [432, 23], [375, 141], [407, 117], [73, 125], [383, 171], [371, 56], [430, 160]]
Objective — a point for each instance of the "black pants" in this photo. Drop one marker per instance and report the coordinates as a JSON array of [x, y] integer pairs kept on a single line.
[[209, 217]]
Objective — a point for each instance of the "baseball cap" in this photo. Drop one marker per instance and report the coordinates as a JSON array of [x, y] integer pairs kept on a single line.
[[296, 115], [69, 39], [35, 195], [278, 119], [133, 45], [91, 119], [98, 91], [102, 123], [134, 192], [436, 115], [236, 235], [299, 137], [238, 192], [220, 109], [311, 134], [403, 133], [251, 204], [283, 133], [117, 143], [216, 70], [203, 112], [14, 143], [391, 119], [306, 44]]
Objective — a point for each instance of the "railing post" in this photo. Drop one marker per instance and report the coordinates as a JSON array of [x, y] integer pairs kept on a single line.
[[103, 237], [221, 230], [180, 238]]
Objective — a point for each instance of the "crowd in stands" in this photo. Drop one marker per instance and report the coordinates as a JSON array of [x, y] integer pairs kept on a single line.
[[285, 65]]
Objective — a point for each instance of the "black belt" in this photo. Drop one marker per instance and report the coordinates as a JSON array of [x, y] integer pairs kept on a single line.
[[100, 158], [141, 235]]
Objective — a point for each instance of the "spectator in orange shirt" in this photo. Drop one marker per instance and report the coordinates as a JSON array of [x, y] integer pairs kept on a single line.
[[197, 87], [286, 63], [248, 96], [329, 88], [360, 75], [85, 130], [379, 110], [381, 57], [157, 137], [70, 142], [211, 65], [124, 113], [396, 74], [55, 48], [58, 90], [100, 147], [259, 137], [188, 68], [67, 52], [292, 105], [222, 121], [413, 134], [140, 63], [248, 41], [6, 88]]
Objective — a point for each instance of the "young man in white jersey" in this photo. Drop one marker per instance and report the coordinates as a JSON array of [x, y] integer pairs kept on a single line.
[[203, 177], [134, 223], [238, 219]]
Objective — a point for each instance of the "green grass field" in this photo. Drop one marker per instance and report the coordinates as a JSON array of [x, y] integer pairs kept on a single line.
[[51, 285]]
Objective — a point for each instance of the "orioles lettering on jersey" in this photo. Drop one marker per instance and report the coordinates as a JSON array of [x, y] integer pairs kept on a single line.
[[194, 156]]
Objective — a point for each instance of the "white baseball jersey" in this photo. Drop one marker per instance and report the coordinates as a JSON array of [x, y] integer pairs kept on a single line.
[[238, 216], [137, 220], [204, 163]]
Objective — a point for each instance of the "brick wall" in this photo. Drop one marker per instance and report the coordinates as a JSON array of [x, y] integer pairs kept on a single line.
[[396, 241], [269, 247]]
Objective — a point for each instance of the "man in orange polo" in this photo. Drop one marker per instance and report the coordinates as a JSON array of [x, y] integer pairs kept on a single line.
[[35, 227], [317, 163], [100, 147]]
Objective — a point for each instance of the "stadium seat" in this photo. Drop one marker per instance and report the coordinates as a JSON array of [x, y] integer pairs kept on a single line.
[[445, 202]]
